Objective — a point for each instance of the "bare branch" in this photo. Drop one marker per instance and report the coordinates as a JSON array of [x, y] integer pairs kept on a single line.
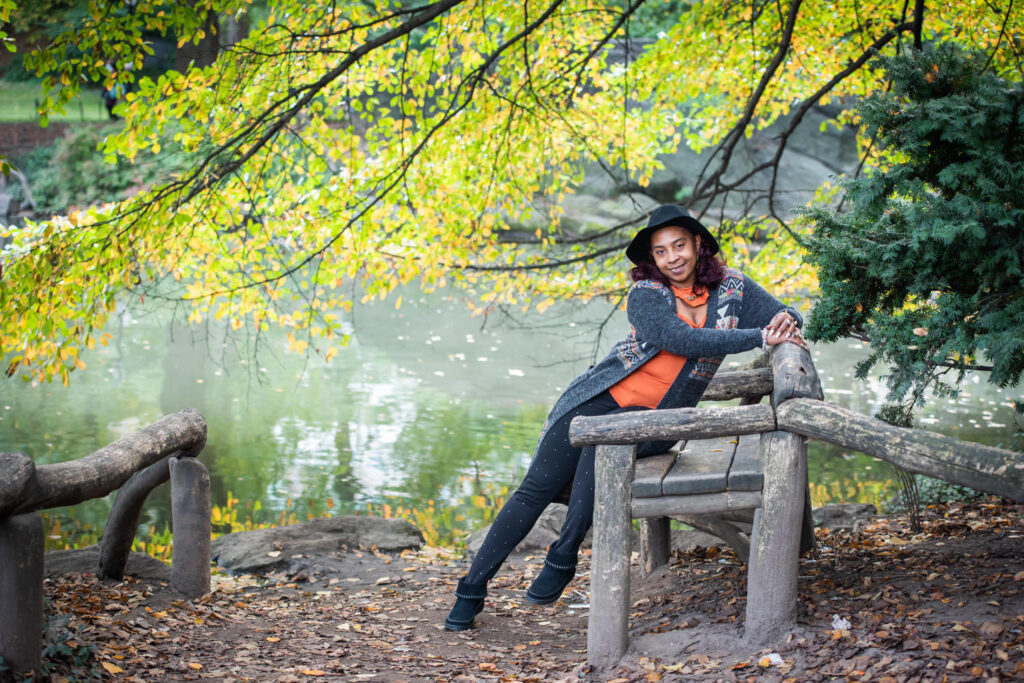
[[733, 137]]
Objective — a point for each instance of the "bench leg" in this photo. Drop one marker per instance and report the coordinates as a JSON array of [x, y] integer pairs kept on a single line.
[[774, 552], [608, 629], [21, 592], [655, 542]]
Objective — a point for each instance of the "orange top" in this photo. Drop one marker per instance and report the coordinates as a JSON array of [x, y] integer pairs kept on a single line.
[[648, 385]]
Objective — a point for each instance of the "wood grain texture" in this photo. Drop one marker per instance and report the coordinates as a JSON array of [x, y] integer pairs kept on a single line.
[[21, 592], [671, 424], [701, 467], [190, 515], [99, 473], [745, 472], [655, 543], [123, 520], [649, 474], [985, 468], [728, 385], [774, 551], [697, 504], [608, 627], [17, 471], [794, 374]]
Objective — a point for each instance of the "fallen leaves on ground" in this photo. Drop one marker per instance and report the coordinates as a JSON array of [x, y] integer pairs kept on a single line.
[[944, 604]]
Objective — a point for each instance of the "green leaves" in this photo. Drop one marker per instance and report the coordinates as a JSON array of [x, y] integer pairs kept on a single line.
[[928, 260], [352, 147]]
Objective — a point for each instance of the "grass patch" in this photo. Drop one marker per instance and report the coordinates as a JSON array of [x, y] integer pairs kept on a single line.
[[18, 103]]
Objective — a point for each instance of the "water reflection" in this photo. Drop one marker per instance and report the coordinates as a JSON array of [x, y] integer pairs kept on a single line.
[[425, 404]]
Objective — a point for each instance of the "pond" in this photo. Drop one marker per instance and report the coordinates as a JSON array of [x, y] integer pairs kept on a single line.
[[428, 413]]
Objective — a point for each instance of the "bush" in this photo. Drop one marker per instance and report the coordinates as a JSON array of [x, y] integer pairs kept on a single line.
[[931, 491], [71, 173], [928, 262]]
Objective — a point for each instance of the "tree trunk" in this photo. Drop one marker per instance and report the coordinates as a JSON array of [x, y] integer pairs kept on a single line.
[[203, 53]]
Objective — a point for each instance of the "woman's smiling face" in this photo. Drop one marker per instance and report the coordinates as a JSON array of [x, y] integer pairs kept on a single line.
[[675, 253]]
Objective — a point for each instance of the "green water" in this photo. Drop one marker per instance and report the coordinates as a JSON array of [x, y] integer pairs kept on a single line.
[[426, 403]]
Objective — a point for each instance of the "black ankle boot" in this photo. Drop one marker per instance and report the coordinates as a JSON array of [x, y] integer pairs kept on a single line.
[[469, 600], [558, 571]]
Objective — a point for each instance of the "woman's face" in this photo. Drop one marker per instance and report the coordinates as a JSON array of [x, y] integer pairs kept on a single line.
[[675, 253]]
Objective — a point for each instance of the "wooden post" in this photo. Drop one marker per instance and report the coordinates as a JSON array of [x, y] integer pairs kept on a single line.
[[775, 544], [655, 542], [608, 629], [190, 519], [99, 473], [21, 592], [123, 521], [795, 376], [775, 547], [16, 483]]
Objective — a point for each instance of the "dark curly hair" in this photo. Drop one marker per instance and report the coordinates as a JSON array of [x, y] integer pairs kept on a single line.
[[710, 270]]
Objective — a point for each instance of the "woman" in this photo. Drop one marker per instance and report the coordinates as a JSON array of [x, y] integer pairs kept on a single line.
[[686, 311]]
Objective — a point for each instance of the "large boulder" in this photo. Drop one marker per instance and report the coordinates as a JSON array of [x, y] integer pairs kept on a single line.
[[87, 560], [269, 549], [843, 515]]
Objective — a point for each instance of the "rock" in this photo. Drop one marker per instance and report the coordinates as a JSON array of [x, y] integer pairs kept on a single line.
[[268, 549], [843, 515], [87, 560]]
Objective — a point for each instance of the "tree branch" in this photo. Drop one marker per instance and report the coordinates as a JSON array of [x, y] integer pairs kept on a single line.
[[918, 25], [733, 137]]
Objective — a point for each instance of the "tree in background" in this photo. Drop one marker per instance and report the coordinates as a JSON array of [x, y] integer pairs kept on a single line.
[[358, 146], [927, 263]]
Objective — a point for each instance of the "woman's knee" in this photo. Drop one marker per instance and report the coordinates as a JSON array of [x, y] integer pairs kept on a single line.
[[537, 492]]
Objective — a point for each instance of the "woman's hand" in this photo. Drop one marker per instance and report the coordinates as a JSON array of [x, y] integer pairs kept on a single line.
[[782, 328]]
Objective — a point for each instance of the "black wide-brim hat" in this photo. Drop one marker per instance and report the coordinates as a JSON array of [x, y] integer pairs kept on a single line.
[[639, 250]]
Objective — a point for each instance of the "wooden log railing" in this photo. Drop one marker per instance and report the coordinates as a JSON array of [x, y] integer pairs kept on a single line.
[[134, 466], [797, 412]]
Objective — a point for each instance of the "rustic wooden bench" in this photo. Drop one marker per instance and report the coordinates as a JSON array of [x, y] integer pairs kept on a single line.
[[733, 475]]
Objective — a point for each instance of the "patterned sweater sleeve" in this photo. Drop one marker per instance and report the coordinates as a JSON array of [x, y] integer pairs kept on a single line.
[[655, 321], [759, 307]]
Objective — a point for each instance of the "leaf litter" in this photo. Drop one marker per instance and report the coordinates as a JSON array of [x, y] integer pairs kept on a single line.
[[877, 603]]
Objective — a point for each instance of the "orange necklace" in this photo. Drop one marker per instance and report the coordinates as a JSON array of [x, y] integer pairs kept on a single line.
[[687, 296]]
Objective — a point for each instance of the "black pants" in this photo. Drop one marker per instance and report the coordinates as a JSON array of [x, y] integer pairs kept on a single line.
[[555, 464]]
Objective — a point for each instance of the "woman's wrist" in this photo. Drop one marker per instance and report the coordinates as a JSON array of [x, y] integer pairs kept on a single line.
[[764, 339]]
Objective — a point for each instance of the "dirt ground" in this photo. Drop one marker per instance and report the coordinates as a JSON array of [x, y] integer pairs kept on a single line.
[[943, 605]]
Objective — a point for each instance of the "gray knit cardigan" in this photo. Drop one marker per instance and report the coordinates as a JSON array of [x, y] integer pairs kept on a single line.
[[737, 311]]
